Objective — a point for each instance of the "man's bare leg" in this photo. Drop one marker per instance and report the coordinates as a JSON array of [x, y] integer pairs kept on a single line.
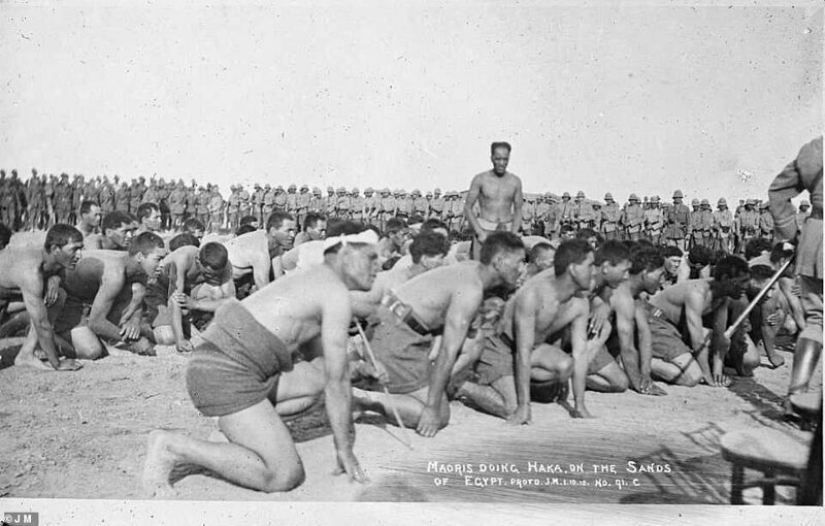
[[26, 356], [408, 405], [297, 390], [260, 454], [609, 379], [682, 370]]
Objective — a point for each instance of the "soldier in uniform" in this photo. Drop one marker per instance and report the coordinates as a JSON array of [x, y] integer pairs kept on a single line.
[[633, 218], [356, 205], [342, 204], [280, 200], [63, 199], [596, 206], [528, 214], [233, 207], [257, 200], [316, 202], [387, 207], [371, 207], [107, 196], [269, 202], [123, 197], [701, 222], [420, 204], [457, 210], [748, 225], [292, 199], [583, 216], [677, 218], [437, 205], [177, 205], [565, 212], [302, 205], [654, 221], [215, 210], [202, 204], [765, 220], [803, 213], [722, 226], [331, 204], [405, 204], [136, 195], [35, 198]]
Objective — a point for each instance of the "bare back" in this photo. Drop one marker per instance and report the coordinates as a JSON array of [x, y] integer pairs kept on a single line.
[[673, 299], [538, 294], [18, 267]]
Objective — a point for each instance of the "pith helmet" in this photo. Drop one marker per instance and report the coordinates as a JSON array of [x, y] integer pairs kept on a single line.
[[565, 194], [633, 197], [705, 202], [721, 202], [608, 196], [654, 199], [580, 194], [695, 202], [678, 194]]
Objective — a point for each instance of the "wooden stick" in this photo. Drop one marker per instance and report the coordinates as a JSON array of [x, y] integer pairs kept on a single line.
[[371, 357], [757, 299]]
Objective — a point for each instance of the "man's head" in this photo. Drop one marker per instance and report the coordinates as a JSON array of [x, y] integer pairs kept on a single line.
[[212, 261], [612, 260], [148, 250], [119, 227], [504, 252], [395, 231], [281, 226], [575, 258], [757, 246], [194, 227], [90, 213], [804, 206], [673, 259], [700, 256], [184, 239], [760, 277], [414, 225], [249, 220], [648, 266], [677, 197], [350, 250], [435, 225], [730, 275], [591, 236], [63, 244], [429, 248], [500, 155], [149, 216], [315, 226], [542, 255], [567, 232]]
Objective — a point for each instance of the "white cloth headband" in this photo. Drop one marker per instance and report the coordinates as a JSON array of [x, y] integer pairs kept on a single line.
[[367, 237]]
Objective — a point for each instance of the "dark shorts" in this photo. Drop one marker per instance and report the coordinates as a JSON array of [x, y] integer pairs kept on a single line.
[[667, 342], [237, 365], [607, 354], [496, 360], [402, 351]]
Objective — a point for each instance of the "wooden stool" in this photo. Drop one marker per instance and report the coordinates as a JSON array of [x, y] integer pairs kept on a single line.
[[780, 458]]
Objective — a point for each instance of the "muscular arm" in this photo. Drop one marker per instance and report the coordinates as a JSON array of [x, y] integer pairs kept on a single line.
[[578, 338], [277, 267], [625, 325], [524, 327], [463, 306], [693, 312], [32, 290], [111, 285], [261, 266], [472, 197], [518, 202]]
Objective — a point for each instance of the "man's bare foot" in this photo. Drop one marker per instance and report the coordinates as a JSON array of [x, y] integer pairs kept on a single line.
[[27, 358], [158, 466], [581, 412], [776, 360], [722, 380]]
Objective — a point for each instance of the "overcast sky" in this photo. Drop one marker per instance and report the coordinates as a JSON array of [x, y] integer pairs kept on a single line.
[[410, 94]]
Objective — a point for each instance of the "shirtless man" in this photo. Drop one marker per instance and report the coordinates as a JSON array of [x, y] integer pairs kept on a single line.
[[630, 326], [441, 300], [258, 253], [89, 218], [315, 228], [498, 193], [117, 230], [103, 279], [230, 377], [149, 217], [191, 278], [25, 272], [681, 345]]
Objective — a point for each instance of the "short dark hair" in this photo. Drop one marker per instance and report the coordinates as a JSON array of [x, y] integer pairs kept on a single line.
[[393, 226], [645, 258], [5, 236], [500, 144], [539, 249], [244, 229], [61, 234], [312, 219], [276, 220], [145, 243], [613, 251], [116, 219], [499, 242], [433, 224], [761, 273], [570, 252], [701, 255], [756, 246], [248, 220], [213, 255], [414, 220], [192, 225], [86, 206], [730, 267], [671, 251], [428, 243], [778, 252], [146, 209], [184, 239], [586, 233]]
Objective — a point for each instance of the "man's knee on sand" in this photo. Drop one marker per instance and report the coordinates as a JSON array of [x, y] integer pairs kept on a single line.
[[550, 363], [690, 374], [284, 477], [86, 344]]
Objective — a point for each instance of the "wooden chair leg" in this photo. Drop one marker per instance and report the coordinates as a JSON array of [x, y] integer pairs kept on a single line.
[[737, 480], [769, 489]]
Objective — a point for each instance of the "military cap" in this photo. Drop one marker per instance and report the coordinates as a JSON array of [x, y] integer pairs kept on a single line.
[[608, 196], [678, 194], [355, 191], [721, 202], [705, 202], [565, 194], [437, 191], [304, 187], [341, 190], [292, 187], [804, 202], [654, 199], [633, 197], [580, 194], [330, 189], [694, 202]]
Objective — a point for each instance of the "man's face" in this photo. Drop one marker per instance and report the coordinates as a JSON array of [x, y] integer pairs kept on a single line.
[[121, 237], [69, 254], [399, 237], [584, 273], [152, 221], [500, 158], [736, 286], [652, 281], [360, 263], [150, 263], [672, 264], [210, 275], [510, 266], [677, 200], [198, 233], [614, 275], [286, 234], [319, 231], [92, 218], [431, 262]]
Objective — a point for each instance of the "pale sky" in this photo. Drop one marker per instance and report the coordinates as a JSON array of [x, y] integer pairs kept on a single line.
[[630, 98]]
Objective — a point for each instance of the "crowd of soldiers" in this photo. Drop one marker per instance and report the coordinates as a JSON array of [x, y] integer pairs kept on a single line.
[[42, 201]]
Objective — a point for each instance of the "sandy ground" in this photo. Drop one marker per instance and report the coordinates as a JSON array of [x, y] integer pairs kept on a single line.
[[83, 435]]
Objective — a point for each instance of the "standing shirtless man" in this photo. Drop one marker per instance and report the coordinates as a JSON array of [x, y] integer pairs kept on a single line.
[[498, 193]]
